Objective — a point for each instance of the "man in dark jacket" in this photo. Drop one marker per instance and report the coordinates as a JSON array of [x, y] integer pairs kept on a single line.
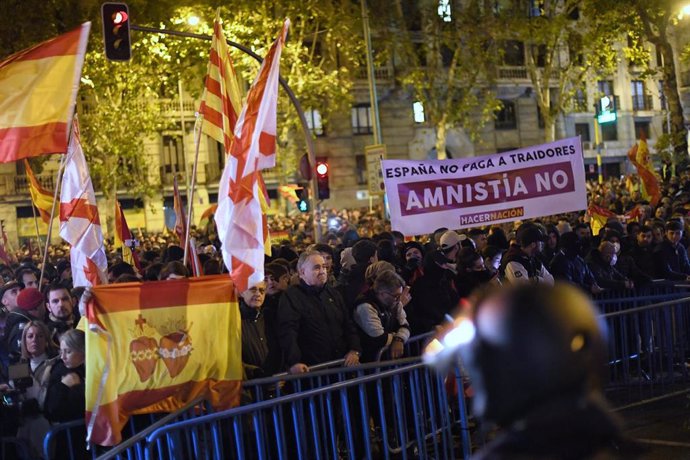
[[315, 324], [670, 256], [568, 264], [521, 263], [260, 352], [602, 262], [381, 319], [351, 284]]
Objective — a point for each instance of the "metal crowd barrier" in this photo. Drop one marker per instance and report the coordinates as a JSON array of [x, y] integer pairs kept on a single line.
[[649, 346], [402, 412], [405, 411]]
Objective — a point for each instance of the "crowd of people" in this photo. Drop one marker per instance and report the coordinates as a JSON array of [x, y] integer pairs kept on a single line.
[[357, 294]]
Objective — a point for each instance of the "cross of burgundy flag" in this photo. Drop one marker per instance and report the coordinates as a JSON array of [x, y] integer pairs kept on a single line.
[[242, 225], [80, 225]]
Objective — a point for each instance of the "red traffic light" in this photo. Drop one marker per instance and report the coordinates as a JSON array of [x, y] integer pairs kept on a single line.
[[322, 168], [119, 17]]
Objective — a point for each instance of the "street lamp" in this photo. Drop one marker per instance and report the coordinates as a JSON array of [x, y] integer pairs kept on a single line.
[[193, 20]]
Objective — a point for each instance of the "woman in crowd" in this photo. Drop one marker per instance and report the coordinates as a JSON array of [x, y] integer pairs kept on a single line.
[[37, 351], [65, 399]]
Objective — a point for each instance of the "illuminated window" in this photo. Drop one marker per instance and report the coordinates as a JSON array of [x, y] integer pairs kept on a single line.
[[314, 122], [418, 110]]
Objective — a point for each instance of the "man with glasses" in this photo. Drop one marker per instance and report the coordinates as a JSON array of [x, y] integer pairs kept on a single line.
[[381, 319]]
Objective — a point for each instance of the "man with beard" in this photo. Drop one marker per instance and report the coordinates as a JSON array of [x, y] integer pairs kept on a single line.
[[61, 316], [314, 323]]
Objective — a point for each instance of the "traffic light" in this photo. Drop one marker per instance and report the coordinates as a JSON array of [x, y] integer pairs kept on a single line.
[[115, 18], [302, 202], [322, 185]]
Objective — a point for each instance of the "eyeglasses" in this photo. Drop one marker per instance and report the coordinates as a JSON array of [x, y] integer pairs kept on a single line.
[[397, 296]]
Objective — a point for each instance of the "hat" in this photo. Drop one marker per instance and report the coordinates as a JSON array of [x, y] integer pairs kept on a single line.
[[30, 299], [413, 244], [528, 233], [276, 270], [450, 239], [7, 286]]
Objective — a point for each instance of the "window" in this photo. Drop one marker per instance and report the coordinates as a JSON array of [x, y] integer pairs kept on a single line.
[[418, 112], [639, 98], [514, 53], [172, 156], [662, 96], [505, 117], [444, 10], [314, 122], [361, 119], [659, 58], [582, 130], [641, 128], [605, 87], [361, 169], [609, 131], [580, 100]]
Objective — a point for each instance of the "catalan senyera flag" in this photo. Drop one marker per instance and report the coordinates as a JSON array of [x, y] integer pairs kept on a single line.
[[38, 90], [598, 217], [156, 346], [222, 100], [122, 234], [80, 224], [42, 198], [639, 156], [241, 218]]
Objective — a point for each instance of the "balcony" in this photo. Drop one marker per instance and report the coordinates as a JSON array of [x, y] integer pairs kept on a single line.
[[382, 73], [641, 102], [168, 176], [512, 73], [21, 183]]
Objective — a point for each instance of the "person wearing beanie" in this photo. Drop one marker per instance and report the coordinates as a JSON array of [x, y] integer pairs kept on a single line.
[[521, 263], [353, 283], [413, 255], [30, 307]]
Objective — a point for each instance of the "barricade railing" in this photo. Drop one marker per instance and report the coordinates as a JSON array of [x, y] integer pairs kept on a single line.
[[649, 345], [69, 438], [401, 412]]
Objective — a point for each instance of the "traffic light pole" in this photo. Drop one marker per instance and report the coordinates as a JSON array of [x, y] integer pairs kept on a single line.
[[311, 152]]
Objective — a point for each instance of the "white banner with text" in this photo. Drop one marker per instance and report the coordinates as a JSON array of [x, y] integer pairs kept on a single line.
[[473, 192]]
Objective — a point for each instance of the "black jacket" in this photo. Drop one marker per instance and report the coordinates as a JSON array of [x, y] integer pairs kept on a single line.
[[315, 325], [569, 428], [671, 261], [433, 296], [260, 357], [65, 403], [389, 321], [572, 268], [607, 276]]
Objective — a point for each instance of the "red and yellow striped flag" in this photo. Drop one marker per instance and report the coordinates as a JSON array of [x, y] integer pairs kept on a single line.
[[598, 217], [156, 346], [42, 198], [38, 89], [222, 100]]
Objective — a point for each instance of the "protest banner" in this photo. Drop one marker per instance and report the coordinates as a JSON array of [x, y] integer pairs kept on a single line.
[[472, 192]]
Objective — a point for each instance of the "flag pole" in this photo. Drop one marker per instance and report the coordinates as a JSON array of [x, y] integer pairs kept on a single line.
[[52, 210], [190, 195], [38, 236]]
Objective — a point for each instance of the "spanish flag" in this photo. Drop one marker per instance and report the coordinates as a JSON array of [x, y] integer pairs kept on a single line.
[[38, 89], [156, 346], [122, 234], [42, 198], [598, 217], [639, 156]]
